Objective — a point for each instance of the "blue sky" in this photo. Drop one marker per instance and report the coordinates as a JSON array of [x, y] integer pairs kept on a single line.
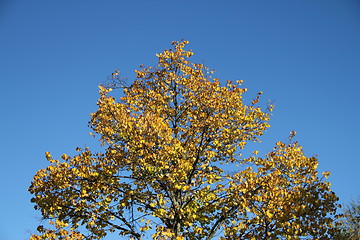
[[304, 56]]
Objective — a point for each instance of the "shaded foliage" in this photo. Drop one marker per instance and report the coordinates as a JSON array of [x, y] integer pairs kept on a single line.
[[349, 224]]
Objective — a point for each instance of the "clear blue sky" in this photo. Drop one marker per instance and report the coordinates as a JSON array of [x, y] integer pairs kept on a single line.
[[304, 55]]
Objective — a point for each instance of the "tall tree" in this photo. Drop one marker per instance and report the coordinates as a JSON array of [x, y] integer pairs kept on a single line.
[[172, 166]]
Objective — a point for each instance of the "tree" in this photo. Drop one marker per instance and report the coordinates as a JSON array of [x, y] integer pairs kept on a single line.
[[172, 166], [350, 221]]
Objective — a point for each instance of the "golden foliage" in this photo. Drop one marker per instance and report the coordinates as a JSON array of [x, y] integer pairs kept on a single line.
[[168, 142]]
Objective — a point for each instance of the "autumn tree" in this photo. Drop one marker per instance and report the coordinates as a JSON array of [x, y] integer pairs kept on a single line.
[[349, 224], [172, 166]]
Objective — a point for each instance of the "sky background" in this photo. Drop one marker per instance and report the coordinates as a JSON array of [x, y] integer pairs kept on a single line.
[[304, 55]]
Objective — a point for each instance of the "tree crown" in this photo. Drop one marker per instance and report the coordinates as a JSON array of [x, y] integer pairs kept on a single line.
[[167, 141]]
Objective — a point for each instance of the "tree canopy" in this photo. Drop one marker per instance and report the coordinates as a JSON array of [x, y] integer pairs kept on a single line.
[[349, 224], [172, 166]]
